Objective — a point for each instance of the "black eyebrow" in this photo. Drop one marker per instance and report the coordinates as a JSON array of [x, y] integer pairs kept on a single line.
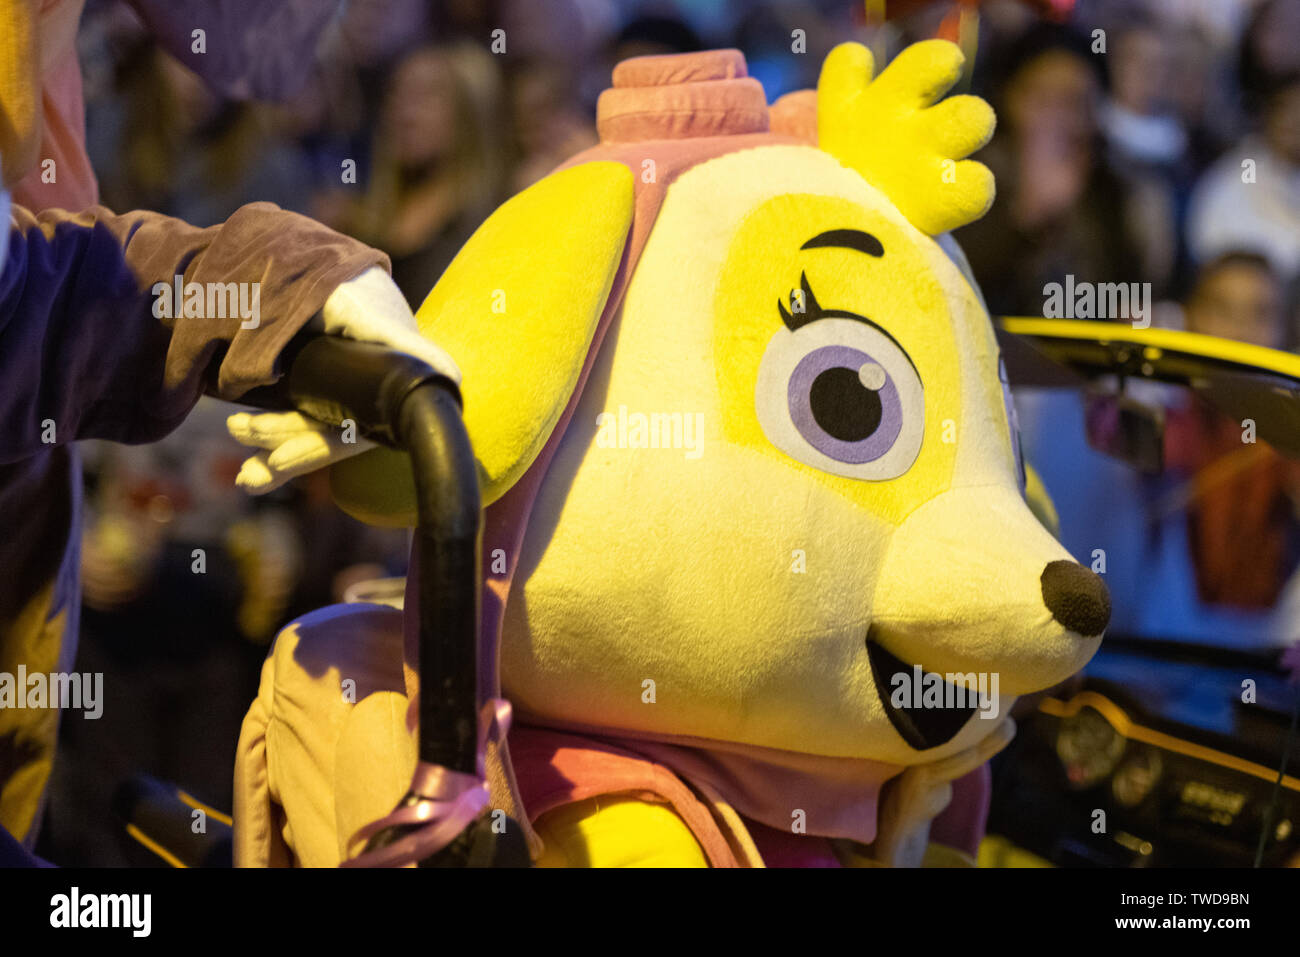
[[847, 239], [812, 311]]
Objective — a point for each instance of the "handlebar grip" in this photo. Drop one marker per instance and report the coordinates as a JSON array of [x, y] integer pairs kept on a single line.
[[334, 380]]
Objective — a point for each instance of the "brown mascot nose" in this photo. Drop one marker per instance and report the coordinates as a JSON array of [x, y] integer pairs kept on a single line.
[[1076, 597]]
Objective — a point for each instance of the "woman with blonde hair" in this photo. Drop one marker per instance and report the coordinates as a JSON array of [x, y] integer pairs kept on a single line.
[[436, 166]]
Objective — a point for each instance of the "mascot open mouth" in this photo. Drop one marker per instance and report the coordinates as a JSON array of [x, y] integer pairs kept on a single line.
[[921, 726]]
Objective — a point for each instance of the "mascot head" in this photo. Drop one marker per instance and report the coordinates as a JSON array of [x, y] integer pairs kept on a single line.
[[739, 405]]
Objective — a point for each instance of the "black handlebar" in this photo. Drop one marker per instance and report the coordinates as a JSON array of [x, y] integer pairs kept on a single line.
[[402, 402]]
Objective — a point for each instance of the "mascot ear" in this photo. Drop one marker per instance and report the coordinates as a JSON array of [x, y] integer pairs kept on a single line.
[[517, 309]]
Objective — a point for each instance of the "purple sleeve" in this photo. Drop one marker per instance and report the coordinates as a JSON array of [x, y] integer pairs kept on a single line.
[[86, 351], [251, 51]]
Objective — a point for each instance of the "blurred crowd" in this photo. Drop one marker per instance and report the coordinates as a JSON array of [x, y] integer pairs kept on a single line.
[[1140, 142], [1122, 132], [1151, 141], [1157, 143]]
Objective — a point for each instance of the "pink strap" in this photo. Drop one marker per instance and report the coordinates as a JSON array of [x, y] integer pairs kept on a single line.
[[449, 802], [557, 768]]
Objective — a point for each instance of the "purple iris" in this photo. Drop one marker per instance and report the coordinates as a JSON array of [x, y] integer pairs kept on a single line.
[[836, 413]]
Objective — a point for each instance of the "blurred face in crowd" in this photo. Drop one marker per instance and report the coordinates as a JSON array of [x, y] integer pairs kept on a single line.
[[377, 30], [1274, 37], [195, 102], [1282, 125], [537, 95], [1189, 80], [1053, 93], [1238, 300], [1141, 69], [421, 110]]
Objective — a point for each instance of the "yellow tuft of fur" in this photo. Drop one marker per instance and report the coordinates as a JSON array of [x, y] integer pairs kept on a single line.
[[902, 138]]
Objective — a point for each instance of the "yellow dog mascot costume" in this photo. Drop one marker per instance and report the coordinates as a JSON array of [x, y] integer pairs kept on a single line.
[[755, 501]]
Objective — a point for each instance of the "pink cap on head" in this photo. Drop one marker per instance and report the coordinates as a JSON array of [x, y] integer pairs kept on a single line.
[[681, 96], [677, 68]]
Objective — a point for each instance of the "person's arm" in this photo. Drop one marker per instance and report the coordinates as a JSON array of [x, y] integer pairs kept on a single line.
[[89, 349]]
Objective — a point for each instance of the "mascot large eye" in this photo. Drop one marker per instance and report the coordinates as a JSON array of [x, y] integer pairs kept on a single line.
[[841, 395]]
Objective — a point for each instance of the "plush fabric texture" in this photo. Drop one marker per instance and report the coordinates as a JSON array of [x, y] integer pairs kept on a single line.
[[734, 637], [834, 798], [795, 115], [377, 486], [536, 273], [1040, 502], [675, 97], [891, 130], [658, 163], [617, 832], [319, 758], [561, 770], [688, 561], [326, 748]]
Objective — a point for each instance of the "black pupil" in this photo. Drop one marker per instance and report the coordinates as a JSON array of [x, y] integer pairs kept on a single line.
[[844, 408]]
